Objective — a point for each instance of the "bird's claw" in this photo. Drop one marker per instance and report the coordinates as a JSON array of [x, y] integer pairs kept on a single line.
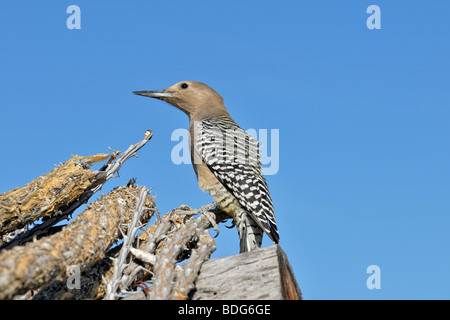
[[212, 219], [144, 287]]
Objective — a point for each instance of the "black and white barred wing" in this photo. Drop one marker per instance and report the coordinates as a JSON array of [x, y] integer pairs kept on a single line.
[[233, 156]]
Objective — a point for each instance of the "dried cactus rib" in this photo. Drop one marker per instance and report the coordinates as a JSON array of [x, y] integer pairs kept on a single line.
[[185, 281], [41, 197], [170, 283], [84, 241]]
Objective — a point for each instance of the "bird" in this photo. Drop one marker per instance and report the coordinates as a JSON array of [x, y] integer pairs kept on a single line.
[[226, 161]]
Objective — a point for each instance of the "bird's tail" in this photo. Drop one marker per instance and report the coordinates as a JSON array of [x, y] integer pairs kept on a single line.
[[250, 234]]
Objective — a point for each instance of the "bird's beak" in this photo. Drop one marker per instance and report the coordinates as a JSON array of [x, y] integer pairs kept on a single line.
[[157, 94]]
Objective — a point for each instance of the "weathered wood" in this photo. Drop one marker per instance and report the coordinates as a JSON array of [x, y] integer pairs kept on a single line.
[[57, 194], [41, 197], [152, 241], [263, 274], [175, 237], [290, 288], [81, 243]]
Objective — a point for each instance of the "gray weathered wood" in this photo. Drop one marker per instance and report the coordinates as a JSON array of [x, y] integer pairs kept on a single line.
[[257, 275]]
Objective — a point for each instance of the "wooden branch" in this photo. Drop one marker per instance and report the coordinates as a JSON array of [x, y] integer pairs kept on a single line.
[[91, 282], [65, 206], [257, 275], [173, 238], [191, 239], [185, 280], [164, 268], [119, 280], [112, 168], [48, 193], [260, 274], [84, 241], [151, 242]]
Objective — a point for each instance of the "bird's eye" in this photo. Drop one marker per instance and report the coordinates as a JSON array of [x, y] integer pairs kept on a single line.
[[184, 86]]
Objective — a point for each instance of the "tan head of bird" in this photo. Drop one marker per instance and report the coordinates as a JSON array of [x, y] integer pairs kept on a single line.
[[194, 98]]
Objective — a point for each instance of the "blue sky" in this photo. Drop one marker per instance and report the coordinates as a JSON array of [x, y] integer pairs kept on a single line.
[[363, 119]]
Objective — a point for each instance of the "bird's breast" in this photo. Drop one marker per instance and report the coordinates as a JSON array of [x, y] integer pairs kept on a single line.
[[208, 182]]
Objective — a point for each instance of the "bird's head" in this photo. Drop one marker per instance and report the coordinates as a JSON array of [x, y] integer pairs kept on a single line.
[[194, 98]]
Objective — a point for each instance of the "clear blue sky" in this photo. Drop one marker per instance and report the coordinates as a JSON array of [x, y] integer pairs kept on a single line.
[[363, 117]]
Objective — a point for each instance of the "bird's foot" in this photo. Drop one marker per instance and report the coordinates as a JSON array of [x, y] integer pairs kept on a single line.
[[212, 219]]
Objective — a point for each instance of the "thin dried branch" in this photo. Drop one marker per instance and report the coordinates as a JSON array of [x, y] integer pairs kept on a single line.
[[120, 278], [165, 264], [113, 168], [70, 204], [82, 242], [176, 218], [168, 282], [150, 242], [186, 278], [48, 193]]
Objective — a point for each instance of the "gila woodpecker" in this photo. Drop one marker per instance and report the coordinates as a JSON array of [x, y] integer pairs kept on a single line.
[[226, 160]]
